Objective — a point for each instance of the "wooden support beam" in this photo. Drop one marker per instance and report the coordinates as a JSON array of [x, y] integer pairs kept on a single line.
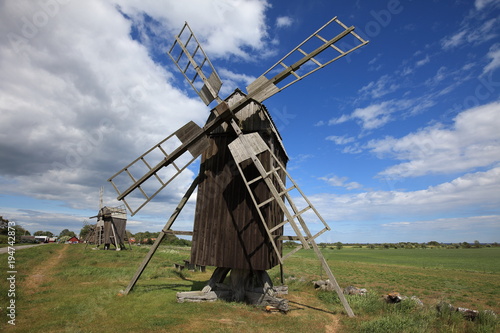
[[162, 234]]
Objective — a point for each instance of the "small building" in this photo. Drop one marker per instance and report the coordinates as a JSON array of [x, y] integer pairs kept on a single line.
[[73, 240], [42, 239]]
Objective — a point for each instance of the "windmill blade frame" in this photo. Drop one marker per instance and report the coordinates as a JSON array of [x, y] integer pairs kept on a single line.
[[263, 88], [211, 84]]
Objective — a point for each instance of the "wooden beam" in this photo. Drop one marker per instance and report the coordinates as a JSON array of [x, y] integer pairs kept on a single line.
[[162, 234]]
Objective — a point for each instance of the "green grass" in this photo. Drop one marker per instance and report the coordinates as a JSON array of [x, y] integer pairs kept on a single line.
[[80, 292], [485, 260]]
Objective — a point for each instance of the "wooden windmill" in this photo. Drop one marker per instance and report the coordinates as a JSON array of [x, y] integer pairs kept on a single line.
[[110, 228], [244, 198]]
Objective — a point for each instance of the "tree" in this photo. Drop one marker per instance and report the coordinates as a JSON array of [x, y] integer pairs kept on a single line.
[[6, 227], [85, 231], [3, 224], [64, 239], [465, 245], [477, 245], [43, 233], [433, 243], [66, 232], [338, 245]]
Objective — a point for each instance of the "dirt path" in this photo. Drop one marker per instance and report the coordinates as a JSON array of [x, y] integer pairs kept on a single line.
[[311, 304], [41, 272]]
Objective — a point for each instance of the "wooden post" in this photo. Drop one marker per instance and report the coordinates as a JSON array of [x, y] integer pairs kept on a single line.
[[334, 282], [153, 248], [115, 238]]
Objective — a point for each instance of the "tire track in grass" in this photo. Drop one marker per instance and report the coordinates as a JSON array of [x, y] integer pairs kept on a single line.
[[41, 273]]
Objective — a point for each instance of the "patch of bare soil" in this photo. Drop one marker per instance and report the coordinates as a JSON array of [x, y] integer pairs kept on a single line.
[[41, 272], [309, 303]]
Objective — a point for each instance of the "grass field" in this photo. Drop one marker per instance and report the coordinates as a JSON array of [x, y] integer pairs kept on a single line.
[[65, 288]]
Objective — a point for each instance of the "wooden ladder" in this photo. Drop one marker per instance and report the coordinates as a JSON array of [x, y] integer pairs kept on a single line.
[[248, 147]]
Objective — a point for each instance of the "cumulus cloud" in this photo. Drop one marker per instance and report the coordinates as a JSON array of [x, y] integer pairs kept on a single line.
[[244, 22], [81, 98], [473, 141], [465, 194]]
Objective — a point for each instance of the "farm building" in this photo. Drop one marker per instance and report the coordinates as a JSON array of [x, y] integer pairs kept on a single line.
[[73, 240]]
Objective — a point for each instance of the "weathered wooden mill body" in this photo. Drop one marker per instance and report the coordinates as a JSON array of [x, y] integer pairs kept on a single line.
[[227, 231], [245, 196], [110, 228]]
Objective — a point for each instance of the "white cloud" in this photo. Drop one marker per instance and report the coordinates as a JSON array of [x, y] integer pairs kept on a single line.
[[455, 40], [379, 88], [284, 21], [423, 61], [447, 224], [244, 22], [472, 142], [341, 182], [481, 4], [342, 119], [472, 34], [377, 115], [340, 140], [465, 194], [233, 80], [441, 74], [81, 99], [494, 55]]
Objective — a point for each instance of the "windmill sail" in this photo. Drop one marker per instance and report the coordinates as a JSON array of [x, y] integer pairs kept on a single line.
[[188, 55], [300, 63], [150, 167]]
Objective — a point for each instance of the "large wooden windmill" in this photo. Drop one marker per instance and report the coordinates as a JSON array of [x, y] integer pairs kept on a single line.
[[246, 198]]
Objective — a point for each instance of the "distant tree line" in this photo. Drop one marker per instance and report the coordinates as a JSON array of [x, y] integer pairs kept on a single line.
[[4, 230], [144, 238], [406, 245]]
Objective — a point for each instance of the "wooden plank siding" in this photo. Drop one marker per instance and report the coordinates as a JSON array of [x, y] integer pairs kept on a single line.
[[227, 230]]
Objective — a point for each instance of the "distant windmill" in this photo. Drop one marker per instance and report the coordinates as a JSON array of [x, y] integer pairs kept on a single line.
[[243, 201], [110, 228]]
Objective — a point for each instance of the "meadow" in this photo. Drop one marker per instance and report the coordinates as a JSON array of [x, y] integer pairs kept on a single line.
[[67, 288]]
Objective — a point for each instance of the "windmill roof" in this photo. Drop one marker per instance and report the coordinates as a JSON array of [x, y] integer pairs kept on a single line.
[[266, 113]]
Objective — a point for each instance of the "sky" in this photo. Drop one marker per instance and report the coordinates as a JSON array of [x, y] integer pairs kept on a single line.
[[397, 142]]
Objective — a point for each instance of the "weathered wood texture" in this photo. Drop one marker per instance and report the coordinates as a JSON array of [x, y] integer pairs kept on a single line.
[[227, 230], [107, 218]]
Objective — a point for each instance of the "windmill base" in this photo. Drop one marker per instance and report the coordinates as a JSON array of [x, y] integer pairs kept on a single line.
[[251, 287]]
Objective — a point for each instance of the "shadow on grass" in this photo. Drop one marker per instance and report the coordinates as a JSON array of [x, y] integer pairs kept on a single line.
[[153, 287], [309, 307]]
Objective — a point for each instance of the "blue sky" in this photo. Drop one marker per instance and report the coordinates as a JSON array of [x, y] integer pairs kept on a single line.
[[399, 141]]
